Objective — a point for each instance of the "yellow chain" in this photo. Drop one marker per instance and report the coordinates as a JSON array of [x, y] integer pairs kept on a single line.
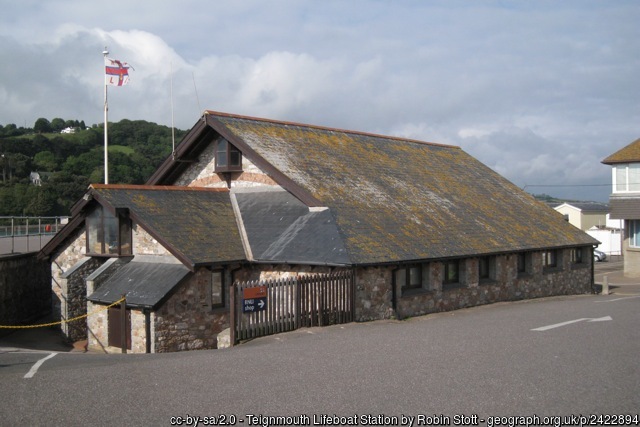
[[43, 325]]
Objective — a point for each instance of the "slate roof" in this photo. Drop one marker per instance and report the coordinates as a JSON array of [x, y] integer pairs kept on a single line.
[[197, 224], [393, 199], [281, 229], [145, 283], [630, 153]]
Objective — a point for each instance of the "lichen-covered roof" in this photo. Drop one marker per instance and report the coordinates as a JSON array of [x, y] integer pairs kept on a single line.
[[630, 153], [396, 199], [198, 224]]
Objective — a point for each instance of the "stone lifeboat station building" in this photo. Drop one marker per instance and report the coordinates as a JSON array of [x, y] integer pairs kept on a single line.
[[421, 227]]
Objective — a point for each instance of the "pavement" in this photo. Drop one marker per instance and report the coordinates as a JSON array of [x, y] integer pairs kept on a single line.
[[50, 339]]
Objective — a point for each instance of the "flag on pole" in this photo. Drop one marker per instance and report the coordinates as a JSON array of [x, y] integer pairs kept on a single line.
[[116, 72]]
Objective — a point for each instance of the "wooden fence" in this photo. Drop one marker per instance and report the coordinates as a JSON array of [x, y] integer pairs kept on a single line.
[[260, 308]]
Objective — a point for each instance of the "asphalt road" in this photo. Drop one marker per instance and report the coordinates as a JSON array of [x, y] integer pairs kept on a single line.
[[485, 361]]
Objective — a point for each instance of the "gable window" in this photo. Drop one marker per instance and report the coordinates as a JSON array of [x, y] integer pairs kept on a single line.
[[451, 272], [228, 157], [626, 178], [108, 234], [217, 289], [634, 233]]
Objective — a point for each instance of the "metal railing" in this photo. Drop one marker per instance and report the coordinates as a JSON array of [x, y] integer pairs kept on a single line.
[[28, 233]]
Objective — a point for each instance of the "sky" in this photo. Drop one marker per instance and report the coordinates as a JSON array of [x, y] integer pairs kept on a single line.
[[540, 91]]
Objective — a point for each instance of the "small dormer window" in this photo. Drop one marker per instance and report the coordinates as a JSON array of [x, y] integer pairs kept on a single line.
[[228, 157], [108, 234]]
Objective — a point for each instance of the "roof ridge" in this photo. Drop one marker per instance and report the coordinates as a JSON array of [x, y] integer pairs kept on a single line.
[[326, 128], [155, 187]]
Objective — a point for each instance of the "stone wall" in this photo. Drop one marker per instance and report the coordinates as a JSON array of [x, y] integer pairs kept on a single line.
[[186, 320], [74, 297], [60, 263], [202, 173], [373, 293], [25, 292], [145, 244], [375, 298], [277, 272]]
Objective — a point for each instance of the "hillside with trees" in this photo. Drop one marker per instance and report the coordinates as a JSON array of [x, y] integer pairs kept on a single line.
[[68, 162]]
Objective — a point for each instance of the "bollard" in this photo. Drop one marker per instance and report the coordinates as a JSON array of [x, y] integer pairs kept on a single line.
[[605, 285]]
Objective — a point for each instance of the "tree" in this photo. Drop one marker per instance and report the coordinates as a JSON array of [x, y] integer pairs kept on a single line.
[[42, 125], [40, 201], [57, 125], [45, 160]]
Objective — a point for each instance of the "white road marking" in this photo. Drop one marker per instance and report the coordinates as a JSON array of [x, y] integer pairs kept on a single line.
[[569, 322], [620, 299], [37, 365]]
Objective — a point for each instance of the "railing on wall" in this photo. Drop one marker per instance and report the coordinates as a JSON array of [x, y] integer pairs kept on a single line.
[[27, 233]]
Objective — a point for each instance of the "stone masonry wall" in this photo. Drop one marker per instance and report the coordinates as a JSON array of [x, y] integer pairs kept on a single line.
[[506, 284], [25, 291], [186, 320], [145, 244], [62, 262], [202, 173], [74, 298], [373, 293]]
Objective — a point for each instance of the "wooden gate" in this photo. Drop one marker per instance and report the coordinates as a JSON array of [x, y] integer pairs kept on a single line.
[[260, 308]]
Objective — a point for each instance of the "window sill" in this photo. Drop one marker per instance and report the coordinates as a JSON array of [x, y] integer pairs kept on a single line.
[[219, 309], [452, 286], [228, 169], [549, 270], [485, 282], [105, 255], [579, 266]]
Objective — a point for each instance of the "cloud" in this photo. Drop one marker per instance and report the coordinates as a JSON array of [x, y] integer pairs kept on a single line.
[[539, 91]]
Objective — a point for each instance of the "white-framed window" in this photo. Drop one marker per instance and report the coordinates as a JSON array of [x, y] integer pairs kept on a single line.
[[626, 178], [634, 233]]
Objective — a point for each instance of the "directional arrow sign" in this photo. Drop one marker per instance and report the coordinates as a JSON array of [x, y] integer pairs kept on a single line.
[[557, 325], [254, 304]]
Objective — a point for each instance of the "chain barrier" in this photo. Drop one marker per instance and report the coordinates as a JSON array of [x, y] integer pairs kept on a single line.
[[43, 325]]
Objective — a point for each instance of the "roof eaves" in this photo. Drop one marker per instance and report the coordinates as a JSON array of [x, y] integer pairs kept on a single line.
[[61, 236], [177, 158]]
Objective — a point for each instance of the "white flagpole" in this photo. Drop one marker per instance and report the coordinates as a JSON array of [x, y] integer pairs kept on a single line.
[[106, 108]]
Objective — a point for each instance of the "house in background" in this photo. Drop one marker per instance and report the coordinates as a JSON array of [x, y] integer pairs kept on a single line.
[[594, 218], [584, 215], [625, 201], [245, 198]]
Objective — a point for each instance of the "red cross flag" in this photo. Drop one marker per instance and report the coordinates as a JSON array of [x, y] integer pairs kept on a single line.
[[116, 72]]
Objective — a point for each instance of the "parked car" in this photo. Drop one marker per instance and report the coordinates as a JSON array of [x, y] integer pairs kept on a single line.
[[599, 255]]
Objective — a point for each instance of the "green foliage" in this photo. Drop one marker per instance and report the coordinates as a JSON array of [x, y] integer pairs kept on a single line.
[[42, 125], [72, 161]]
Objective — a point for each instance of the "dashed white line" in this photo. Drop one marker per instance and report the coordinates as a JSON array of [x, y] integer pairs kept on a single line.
[[37, 365]]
